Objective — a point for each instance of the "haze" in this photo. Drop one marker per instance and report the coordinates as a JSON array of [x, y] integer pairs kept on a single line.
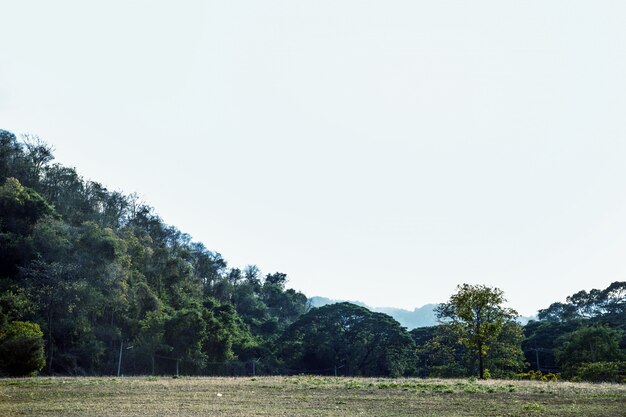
[[374, 151]]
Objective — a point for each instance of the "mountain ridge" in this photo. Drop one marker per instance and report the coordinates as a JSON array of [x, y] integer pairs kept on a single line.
[[423, 316]]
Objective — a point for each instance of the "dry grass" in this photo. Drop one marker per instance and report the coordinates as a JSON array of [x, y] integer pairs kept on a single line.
[[305, 396]]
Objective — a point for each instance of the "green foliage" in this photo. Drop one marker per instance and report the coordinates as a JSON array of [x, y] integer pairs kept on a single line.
[[602, 371], [476, 315], [538, 376], [505, 357], [441, 355], [542, 338], [349, 337], [20, 210], [587, 345], [98, 269], [21, 349], [586, 305], [21, 207]]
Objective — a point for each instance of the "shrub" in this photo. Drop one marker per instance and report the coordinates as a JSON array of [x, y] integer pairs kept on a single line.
[[551, 377], [21, 349], [538, 376], [602, 371]]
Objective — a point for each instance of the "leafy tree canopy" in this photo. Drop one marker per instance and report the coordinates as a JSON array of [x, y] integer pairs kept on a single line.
[[350, 338], [477, 316], [589, 344]]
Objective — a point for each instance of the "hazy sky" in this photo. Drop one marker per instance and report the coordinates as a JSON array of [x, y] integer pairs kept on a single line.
[[383, 151]]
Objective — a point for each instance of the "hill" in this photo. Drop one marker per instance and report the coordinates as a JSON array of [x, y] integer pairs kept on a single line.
[[420, 317], [423, 316]]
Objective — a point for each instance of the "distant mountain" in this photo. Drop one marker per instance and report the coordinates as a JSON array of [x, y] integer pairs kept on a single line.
[[419, 317]]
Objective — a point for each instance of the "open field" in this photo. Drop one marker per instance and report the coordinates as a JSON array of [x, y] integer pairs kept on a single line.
[[305, 396]]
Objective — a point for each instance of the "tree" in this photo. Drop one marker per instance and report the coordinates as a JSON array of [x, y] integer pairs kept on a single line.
[[20, 210], [588, 345], [541, 339], [477, 314], [506, 357], [441, 355], [608, 305], [350, 338]]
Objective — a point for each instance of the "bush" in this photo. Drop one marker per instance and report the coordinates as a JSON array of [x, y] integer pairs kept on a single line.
[[550, 377], [602, 371], [21, 349], [538, 376]]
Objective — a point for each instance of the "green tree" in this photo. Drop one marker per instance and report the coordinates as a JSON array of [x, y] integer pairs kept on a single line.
[[476, 314], [21, 349], [439, 353], [351, 338], [589, 344], [608, 305], [541, 338], [20, 210], [506, 357]]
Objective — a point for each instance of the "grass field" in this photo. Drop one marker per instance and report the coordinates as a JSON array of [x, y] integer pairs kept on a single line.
[[305, 396]]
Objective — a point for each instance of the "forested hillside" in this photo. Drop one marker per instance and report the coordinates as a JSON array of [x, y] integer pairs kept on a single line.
[[93, 282], [96, 269]]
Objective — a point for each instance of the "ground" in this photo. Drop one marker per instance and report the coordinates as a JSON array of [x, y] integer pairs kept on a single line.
[[305, 396]]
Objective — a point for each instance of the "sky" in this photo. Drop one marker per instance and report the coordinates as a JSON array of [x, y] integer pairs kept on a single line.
[[381, 151]]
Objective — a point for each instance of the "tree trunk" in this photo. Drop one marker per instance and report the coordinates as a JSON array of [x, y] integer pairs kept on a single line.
[[50, 340], [481, 364]]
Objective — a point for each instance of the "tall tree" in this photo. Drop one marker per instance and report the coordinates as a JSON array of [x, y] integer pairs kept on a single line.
[[348, 338], [477, 314]]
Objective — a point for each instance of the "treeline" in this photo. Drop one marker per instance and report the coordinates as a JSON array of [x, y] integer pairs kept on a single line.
[[97, 270], [581, 339], [584, 338], [93, 282]]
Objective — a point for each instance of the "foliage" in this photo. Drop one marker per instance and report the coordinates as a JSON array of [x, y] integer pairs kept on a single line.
[[563, 323], [441, 355], [349, 338], [602, 371], [476, 315], [587, 345], [505, 357], [537, 376], [97, 270], [593, 304], [21, 349], [542, 337]]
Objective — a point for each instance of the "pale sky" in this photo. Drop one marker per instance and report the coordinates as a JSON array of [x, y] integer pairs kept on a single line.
[[382, 151]]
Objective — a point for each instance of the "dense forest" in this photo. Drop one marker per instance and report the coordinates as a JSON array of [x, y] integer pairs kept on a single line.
[[93, 282]]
